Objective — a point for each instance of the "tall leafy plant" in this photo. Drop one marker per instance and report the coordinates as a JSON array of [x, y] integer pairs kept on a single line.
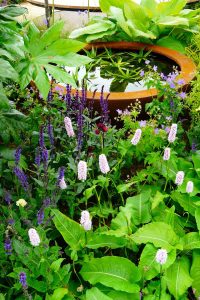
[[165, 23]]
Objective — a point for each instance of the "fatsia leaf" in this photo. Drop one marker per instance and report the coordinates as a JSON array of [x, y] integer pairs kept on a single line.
[[148, 265], [96, 294], [116, 272], [178, 277], [52, 34], [158, 233], [7, 71], [70, 230], [42, 81], [62, 47], [60, 75], [195, 271]]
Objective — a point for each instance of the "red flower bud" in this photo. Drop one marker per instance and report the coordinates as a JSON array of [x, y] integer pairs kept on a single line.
[[97, 131]]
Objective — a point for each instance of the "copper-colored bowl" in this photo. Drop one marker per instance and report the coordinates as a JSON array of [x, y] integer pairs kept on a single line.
[[120, 100]]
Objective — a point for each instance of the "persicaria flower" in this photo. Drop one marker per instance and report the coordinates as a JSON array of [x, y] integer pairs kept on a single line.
[[179, 178], [22, 279], [189, 187], [34, 237], [82, 170], [161, 256], [62, 184], [103, 164], [166, 155], [21, 202], [172, 133], [85, 220], [68, 126], [136, 138]]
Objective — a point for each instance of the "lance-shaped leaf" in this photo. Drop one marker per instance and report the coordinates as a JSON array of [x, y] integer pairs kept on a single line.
[[96, 294], [116, 272]]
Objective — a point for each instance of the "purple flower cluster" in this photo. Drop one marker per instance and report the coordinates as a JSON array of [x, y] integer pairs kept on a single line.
[[50, 133], [40, 216], [8, 246], [22, 279], [18, 155], [104, 106], [22, 178], [37, 157], [61, 174], [68, 97]]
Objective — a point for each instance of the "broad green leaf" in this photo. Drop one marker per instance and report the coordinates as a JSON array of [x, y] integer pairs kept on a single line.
[[55, 266], [70, 59], [157, 199], [59, 294], [158, 233], [12, 11], [197, 217], [172, 7], [6, 54], [150, 7], [178, 277], [7, 71], [191, 241], [116, 272], [189, 203], [96, 294], [195, 272], [71, 231], [172, 21], [26, 75], [148, 265], [106, 4], [52, 34], [62, 47], [2, 297], [42, 81], [117, 295], [102, 240], [196, 161], [121, 21], [60, 75], [136, 14], [172, 43], [98, 27], [4, 102]]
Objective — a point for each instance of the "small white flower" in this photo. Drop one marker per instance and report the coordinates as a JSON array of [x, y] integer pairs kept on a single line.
[[103, 164], [82, 170], [161, 256], [172, 133], [85, 220], [34, 237], [166, 155], [189, 187], [62, 184], [68, 126], [136, 138], [179, 178], [21, 202]]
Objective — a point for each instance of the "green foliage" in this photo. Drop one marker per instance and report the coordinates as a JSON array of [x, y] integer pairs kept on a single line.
[[116, 272], [164, 24]]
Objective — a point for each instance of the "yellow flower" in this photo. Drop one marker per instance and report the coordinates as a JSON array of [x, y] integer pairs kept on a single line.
[[21, 202]]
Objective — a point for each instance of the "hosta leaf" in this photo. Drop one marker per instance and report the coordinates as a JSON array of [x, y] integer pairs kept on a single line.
[[171, 43], [96, 294], [178, 277], [158, 233], [106, 4], [172, 7], [102, 240], [195, 271], [148, 265], [13, 11], [172, 21], [71, 231], [116, 272], [191, 241]]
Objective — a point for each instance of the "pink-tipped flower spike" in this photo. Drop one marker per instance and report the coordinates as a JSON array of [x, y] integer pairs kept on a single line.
[[62, 184], [190, 187], [172, 133], [68, 127], [179, 178], [136, 138], [85, 221], [103, 164], [166, 155], [161, 256], [34, 237], [82, 170]]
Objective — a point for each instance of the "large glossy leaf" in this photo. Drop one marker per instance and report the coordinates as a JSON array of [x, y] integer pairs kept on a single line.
[[60, 75], [42, 81], [171, 43], [52, 34], [72, 232], [101, 240], [172, 21], [195, 271], [96, 294], [62, 47], [172, 7], [7, 71], [178, 277], [148, 265], [191, 241], [117, 295], [106, 4], [116, 272], [59, 294], [136, 14], [158, 233]]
